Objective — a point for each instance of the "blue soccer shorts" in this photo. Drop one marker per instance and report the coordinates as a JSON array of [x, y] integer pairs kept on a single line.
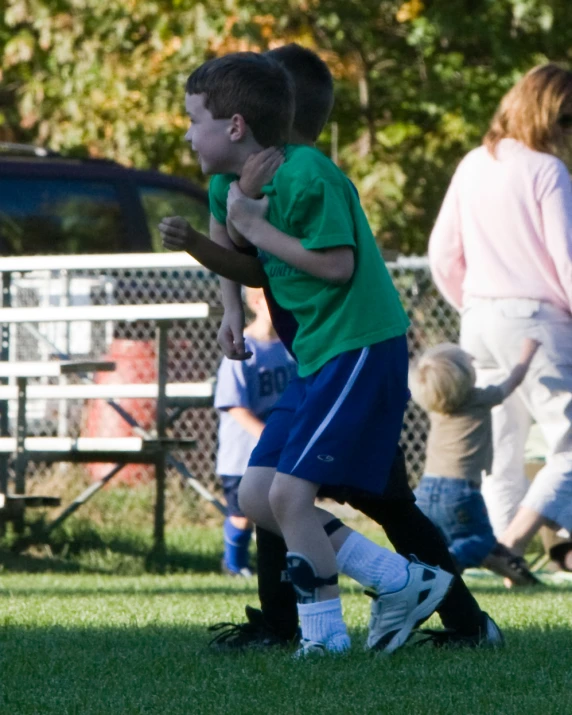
[[340, 426]]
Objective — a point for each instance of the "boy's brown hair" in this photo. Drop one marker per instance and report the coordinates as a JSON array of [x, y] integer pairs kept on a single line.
[[313, 88], [252, 85]]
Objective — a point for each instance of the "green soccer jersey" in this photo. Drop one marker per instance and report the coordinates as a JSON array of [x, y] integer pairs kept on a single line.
[[311, 199]]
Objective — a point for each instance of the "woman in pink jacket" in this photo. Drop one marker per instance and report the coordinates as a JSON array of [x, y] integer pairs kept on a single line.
[[501, 253]]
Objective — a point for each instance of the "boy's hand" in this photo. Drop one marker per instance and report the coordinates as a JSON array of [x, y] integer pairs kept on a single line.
[[176, 233], [259, 169], [242, 211], [230, 336]]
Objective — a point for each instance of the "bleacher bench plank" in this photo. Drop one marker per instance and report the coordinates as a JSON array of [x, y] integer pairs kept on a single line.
[[174, 391], [130, 445], [94, 313], [28, 368], [24, 500]]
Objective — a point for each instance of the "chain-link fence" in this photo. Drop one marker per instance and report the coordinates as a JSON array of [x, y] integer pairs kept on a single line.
[[193, 356]]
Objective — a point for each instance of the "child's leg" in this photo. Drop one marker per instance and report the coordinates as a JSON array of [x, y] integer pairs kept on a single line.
[[292, 503], [369, 564], [405, 593], [275, 592], [311, 564], [253, 497], [411, 532], [237, 531], [261, 493], [466, 523]]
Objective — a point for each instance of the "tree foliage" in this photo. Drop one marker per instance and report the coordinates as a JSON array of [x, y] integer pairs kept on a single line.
[[416, 82]]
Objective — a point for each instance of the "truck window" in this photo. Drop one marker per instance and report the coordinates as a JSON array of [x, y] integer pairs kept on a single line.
[[159, 202], [50, 216]]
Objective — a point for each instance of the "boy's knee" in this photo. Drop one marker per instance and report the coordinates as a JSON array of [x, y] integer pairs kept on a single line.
[[244, 497], [276, 498], [288, 497], [253, 492], [281, 500], [241, 522]]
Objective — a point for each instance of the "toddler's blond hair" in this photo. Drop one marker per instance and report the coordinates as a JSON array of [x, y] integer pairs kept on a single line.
[[442, 378]]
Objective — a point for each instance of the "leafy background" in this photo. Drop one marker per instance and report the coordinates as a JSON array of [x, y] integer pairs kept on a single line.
[[416, 82]]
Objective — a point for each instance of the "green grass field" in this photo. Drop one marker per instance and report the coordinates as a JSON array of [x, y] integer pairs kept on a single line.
[[84, 629]]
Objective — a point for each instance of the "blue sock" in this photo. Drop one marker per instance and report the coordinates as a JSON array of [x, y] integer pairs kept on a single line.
[[236, 543]]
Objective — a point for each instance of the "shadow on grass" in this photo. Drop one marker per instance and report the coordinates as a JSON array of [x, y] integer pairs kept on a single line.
[[162, 669], [89, 551], [26, 563], [527, 591], [205, 590]]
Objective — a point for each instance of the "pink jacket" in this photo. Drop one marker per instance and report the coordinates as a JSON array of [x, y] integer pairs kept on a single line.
[[505, 228]]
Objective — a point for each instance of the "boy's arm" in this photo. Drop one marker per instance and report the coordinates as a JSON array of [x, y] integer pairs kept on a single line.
[[247, 420], [179, 235], [332, 264], [528, 350], [258, 170], [231, 332]]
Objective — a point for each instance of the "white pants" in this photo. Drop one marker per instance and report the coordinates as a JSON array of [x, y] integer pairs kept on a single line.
[[492, 330]]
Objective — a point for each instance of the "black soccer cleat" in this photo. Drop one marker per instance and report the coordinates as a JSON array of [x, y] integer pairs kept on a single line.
[[256, 633], [489, 635]]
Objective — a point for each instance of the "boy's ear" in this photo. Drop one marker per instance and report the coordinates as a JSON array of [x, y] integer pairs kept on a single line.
[[238, 128]]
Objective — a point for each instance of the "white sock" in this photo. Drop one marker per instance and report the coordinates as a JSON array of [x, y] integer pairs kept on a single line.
[[372, 565], [322, 622]]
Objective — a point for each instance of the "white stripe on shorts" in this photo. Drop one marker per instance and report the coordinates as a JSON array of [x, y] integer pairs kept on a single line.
[[336, 406]]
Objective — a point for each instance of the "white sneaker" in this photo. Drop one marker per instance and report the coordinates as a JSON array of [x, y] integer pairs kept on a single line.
[[335, 646], [308, 647], [394, 615]]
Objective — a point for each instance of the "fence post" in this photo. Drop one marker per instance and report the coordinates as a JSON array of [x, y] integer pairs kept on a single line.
[[21, 458], [162, 333], [4, 355]]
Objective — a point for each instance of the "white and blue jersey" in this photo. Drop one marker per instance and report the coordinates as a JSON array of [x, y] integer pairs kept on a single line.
[[255, 384]]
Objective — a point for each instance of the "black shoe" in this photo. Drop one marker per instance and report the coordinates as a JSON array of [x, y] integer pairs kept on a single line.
[[561, 554], [515, 568], [255, 633], [489, 636]]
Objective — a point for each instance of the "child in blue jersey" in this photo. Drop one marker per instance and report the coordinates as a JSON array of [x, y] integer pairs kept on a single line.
[[339, 423], [245, 393]]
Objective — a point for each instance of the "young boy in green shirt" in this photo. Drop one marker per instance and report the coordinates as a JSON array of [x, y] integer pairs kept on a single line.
[[343, 416], [406, 527]]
